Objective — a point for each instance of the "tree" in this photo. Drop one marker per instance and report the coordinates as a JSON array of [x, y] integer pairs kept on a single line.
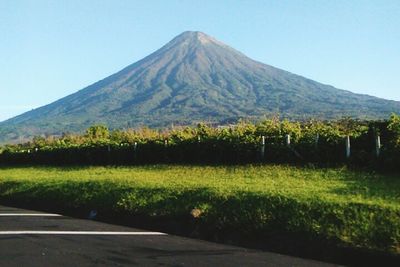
[[96, 132], [394, 128]]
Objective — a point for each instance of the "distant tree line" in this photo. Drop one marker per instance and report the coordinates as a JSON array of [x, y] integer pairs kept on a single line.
[[369, 144]]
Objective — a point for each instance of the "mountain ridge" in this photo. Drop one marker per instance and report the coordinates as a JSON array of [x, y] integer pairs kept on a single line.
[[192, 78]]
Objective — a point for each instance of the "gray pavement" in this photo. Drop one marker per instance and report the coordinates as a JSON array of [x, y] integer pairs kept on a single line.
[[31, 238]]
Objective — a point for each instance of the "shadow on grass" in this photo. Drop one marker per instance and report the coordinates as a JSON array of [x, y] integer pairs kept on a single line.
[[370, 185]]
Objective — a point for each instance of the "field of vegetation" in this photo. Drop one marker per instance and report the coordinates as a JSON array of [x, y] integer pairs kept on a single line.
[[279, 183], [267, 141], [347, 208]]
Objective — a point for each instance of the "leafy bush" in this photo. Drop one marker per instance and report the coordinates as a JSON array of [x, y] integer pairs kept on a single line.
[[394, 128]]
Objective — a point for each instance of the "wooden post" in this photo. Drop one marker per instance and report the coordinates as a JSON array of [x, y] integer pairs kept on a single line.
[[378, 145], [262, 147], [316, 140], [288, 140], [348, 149]]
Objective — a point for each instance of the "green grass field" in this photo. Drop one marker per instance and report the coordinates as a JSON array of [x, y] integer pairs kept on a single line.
[[351, 208]]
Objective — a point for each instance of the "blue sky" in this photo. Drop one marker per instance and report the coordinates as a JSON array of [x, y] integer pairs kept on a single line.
[[49, 49]]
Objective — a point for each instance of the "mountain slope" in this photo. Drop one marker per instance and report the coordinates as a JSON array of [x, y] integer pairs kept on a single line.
[[194, 78]]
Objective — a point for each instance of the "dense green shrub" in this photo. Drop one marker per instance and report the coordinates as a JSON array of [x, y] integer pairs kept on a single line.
[[394, 128]]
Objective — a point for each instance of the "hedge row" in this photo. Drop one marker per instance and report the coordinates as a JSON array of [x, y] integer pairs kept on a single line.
[[267, 141]]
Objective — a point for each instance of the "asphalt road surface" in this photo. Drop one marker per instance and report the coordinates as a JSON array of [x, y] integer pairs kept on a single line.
[[31, 238]]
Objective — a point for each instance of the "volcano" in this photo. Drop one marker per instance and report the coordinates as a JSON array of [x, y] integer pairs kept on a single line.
[[194, 78]]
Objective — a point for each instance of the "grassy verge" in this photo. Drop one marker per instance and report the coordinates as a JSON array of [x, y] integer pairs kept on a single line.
[[239, 203]]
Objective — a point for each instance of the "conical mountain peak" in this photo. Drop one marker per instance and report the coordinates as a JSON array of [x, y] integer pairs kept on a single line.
[[191, 34], [194, 38], [194, 78]]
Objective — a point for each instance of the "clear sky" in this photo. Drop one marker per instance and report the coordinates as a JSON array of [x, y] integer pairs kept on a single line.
[[49, 49]]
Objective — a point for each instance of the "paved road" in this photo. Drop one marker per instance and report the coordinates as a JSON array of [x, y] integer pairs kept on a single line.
[[30, 238]]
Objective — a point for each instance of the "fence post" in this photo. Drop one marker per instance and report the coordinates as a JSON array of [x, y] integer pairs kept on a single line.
[[347, 144], [165, 150], [316, 140], [378, 145], [288, 140], [135, 150], [108, 154], [262, 147]]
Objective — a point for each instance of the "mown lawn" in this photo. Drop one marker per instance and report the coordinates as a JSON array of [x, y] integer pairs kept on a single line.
[[352, 208]]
